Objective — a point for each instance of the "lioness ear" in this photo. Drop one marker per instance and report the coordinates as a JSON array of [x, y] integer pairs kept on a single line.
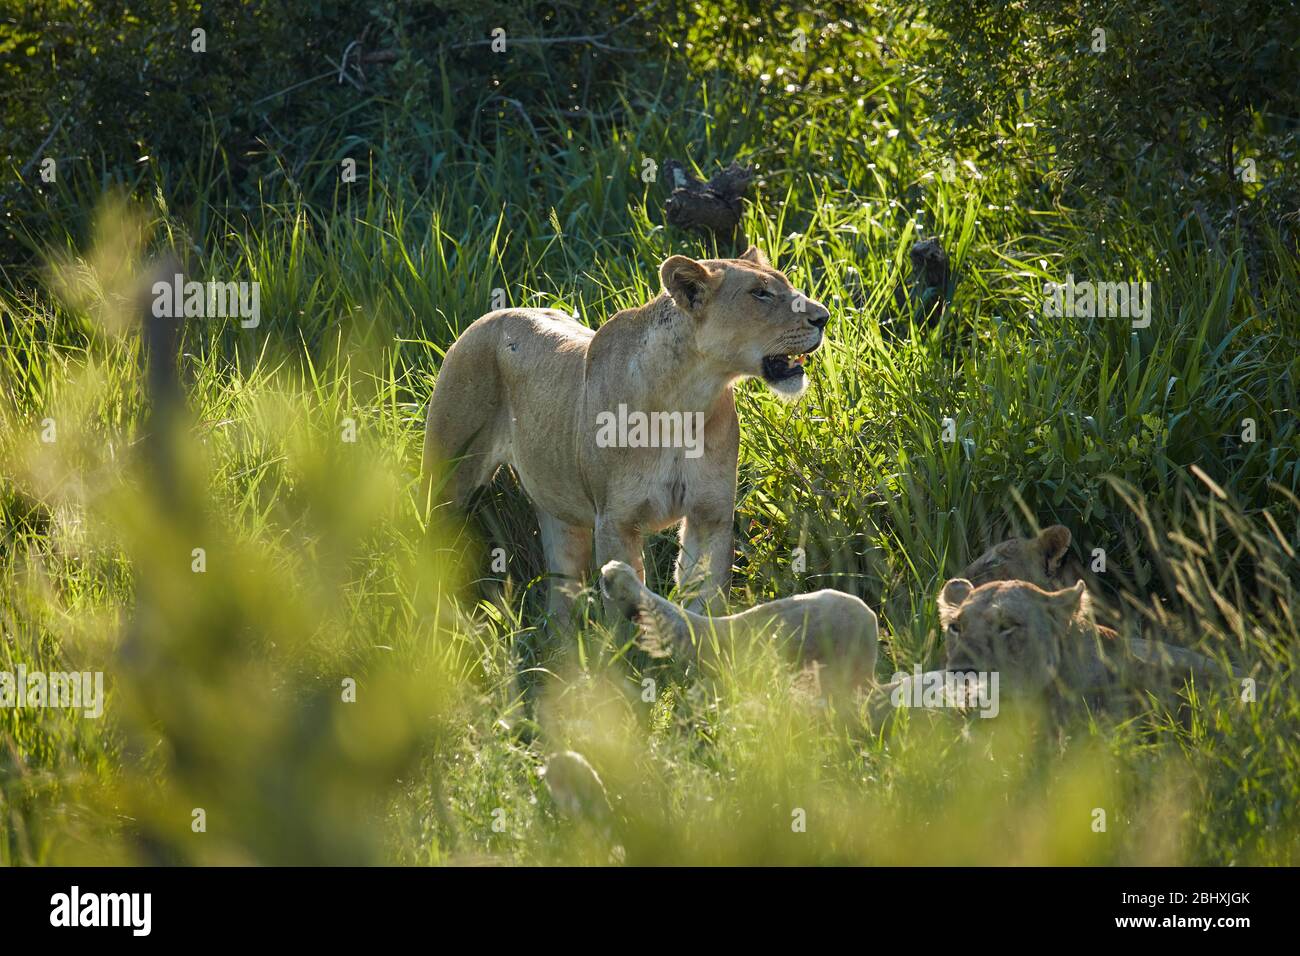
[[1053, 543], [690, 283], [753, 255], [1067, 600], [953, 595]]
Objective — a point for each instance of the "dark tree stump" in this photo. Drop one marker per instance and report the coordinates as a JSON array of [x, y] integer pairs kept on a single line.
[[929, 279], [922, 299], [712, 207]]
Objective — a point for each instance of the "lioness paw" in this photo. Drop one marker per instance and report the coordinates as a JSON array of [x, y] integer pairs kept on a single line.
[[622, 588]]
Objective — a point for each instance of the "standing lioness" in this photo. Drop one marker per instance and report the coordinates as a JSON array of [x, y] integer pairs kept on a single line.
[[630, 428]]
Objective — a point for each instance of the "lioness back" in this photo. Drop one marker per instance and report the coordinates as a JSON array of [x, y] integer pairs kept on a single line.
[[503, 386]]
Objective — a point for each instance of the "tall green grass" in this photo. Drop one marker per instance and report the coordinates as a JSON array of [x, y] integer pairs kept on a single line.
[[226, 686]]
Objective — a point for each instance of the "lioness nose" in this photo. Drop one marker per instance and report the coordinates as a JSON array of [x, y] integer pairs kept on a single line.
[[819, 316]]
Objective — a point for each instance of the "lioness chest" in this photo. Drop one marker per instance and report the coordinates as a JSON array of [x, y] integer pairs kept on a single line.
[[652, 488], [659, 488]]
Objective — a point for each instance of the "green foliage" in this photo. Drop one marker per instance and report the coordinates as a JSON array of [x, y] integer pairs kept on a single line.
[[225, 686], [117, 92], [1174, 93]]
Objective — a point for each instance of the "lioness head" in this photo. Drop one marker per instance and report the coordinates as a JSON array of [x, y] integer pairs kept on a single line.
[[1039, 560], [1013, 627], [749, 319]]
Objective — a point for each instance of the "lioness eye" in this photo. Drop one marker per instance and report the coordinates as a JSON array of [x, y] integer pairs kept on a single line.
[[761, 294]]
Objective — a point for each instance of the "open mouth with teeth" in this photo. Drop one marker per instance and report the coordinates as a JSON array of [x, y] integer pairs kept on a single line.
[[778, 368]]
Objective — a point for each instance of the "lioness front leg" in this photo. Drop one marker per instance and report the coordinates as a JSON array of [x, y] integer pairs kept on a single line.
[[704, 562]]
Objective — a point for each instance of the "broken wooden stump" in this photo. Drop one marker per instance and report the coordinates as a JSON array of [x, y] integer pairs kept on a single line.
[[924, 298], [714, 207], [929, 279]]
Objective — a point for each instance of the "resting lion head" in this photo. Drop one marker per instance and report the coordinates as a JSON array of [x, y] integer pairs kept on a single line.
[[750, 320], [1040, 560], [1013, 627]]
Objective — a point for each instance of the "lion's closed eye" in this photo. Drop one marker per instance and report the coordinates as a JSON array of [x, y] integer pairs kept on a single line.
[[761, 294]]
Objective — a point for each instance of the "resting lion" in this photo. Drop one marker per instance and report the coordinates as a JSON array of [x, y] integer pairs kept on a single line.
[[1042, 641], [831, 633], [1043, 560], [537, 390]]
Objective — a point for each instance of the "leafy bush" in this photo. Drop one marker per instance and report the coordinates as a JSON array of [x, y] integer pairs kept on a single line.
[[1124, 90], [117, 92]]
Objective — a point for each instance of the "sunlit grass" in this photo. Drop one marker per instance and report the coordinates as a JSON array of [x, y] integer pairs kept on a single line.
[[226, 686]]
